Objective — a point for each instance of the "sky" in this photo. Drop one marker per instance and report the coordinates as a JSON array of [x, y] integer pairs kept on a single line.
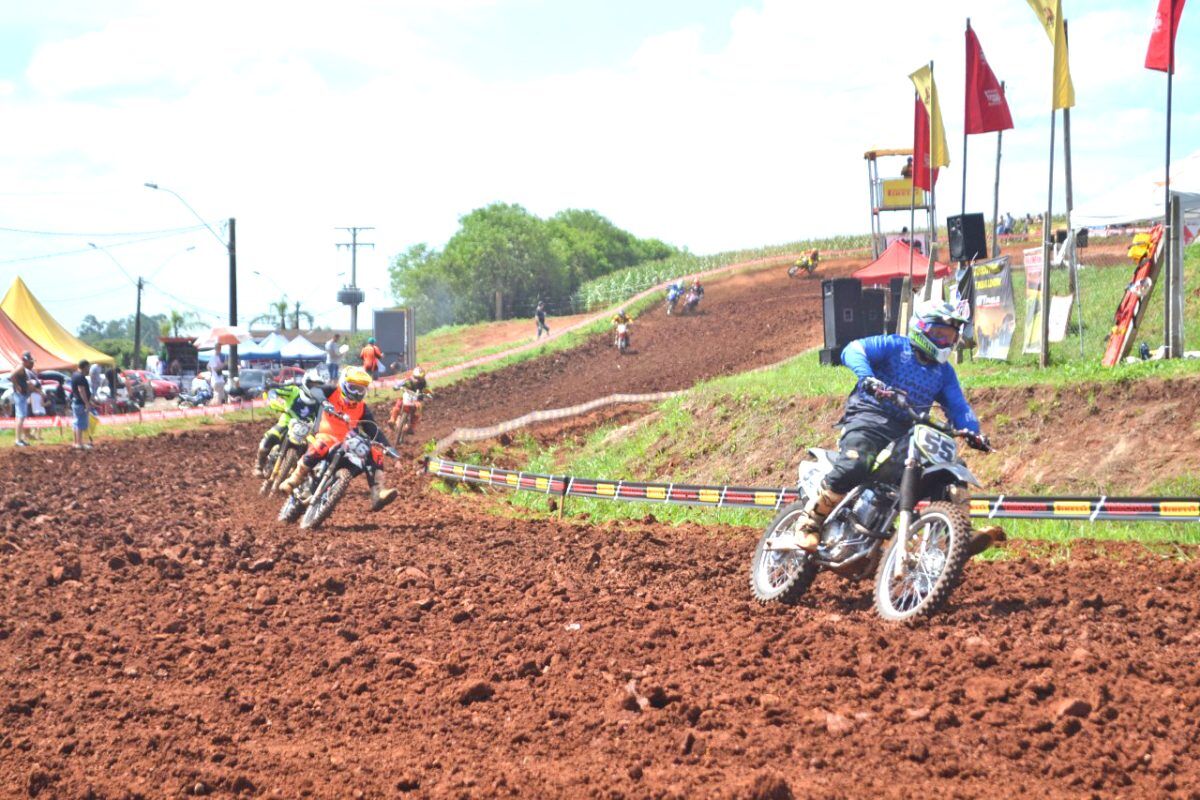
[[712, 125]]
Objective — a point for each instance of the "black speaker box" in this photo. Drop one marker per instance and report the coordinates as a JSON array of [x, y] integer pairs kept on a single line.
[[842, 316], [968, 240], [895, 292], [872, 305]]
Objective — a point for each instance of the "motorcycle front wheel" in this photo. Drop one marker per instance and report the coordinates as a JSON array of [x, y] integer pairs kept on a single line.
[[284, 468], [933, 563], [268, 484], [781, 576], [322, 506], [793, 270]]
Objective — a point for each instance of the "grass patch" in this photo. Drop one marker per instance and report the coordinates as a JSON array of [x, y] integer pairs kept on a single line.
[[136, 430], [447, 346]]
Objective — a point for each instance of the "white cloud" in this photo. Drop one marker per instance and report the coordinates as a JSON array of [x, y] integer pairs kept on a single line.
[[296, 119]]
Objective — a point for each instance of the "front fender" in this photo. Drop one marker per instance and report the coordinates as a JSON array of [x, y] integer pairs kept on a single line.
[[941, 474]]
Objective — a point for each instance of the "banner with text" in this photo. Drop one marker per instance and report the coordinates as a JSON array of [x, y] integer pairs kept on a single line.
[[1033, 299], [995, 308]]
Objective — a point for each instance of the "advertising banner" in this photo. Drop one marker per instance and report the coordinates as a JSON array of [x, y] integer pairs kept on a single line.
[[1033, 300], [995, 308], [898, 193], [1060, 316]]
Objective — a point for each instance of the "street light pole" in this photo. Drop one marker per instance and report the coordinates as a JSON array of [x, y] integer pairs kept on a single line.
[[231, 246]]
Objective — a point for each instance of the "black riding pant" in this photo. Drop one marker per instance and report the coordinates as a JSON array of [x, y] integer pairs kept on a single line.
[[857, 451]]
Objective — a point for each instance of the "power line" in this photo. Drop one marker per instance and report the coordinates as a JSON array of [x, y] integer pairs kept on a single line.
[[77, 251], [97, 235]]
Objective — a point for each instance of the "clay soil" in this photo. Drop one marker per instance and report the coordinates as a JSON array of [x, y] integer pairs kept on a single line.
[[162, 636]]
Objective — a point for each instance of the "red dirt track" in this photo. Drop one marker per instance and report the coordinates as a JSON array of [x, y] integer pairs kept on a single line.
[[162, 636]]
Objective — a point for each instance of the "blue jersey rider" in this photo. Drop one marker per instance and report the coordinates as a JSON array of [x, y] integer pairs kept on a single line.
[[918, 365]]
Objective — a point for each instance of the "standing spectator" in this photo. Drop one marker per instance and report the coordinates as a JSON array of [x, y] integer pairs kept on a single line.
[[371, 355], [153, 364], [218, 386], [37, 401], [906, 170], [24, 382], [540, 314], [81, 404], [333, 357], [95, 379], [174, 368]]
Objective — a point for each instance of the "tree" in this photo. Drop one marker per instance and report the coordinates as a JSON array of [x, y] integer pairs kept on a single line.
[[181, 319], [277, 316]]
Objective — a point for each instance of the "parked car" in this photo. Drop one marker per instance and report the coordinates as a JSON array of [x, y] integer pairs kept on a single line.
[[251, 382], [286, 375], [160, 386]]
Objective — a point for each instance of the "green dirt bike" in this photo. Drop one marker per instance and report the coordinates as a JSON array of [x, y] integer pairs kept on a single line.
[[284, 456], [909, 523], [294, 404], [321, 491]]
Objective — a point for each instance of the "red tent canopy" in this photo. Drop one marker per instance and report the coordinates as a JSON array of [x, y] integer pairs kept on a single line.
[[893, 263], [13, 342]]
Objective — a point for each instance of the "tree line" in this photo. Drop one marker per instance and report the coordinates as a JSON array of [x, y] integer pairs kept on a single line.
[[503, 259]]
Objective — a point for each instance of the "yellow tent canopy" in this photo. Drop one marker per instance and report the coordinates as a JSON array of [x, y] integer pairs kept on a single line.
[[35, 322]]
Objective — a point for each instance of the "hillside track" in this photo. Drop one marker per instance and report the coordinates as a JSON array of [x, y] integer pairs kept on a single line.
[[162, 636], [749, 320]]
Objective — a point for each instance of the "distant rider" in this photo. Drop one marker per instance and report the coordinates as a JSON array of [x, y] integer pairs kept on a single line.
[[301, 401], [620, 318], [918, 365], [417, 384], [371, 357], [346, 399]]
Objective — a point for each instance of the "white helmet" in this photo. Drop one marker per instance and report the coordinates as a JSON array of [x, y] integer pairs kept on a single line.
[[311, 378]]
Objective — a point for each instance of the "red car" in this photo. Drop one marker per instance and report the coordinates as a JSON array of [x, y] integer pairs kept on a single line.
[[162, 388], [287, 374]]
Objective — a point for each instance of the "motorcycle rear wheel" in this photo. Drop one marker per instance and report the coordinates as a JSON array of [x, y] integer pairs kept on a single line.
[[402, 426], [322, 506], [781, 577], [938, 550]]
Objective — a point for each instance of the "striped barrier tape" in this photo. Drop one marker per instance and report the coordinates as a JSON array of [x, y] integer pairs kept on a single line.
[[1080, 509]]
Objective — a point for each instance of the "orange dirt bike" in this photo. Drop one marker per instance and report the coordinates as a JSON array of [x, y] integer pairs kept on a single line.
[[320, 492], [410, 406], [909, 523]]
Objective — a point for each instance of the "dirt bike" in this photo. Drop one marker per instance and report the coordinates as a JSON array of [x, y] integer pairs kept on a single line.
[[194, 400], [321, 491], [622, 338], [691, 301], [909, 523], [805, 265], [283, 457], [672, 300], [410, 404]]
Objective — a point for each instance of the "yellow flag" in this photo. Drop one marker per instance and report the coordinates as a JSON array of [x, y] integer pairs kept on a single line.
[[1049, 13], [939, 153]]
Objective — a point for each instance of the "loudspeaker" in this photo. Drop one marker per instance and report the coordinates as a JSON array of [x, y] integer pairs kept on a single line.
[[843, 322], [895, 292], [872, 307], [396, 337], [968, 241], [1081, 238]]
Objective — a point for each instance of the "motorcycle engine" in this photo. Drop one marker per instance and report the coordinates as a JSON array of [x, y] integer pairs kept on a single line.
[[841, 538]]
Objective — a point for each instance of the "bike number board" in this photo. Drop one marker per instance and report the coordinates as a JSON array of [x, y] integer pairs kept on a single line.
[[935, 445]]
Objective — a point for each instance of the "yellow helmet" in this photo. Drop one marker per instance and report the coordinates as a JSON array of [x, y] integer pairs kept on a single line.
[[418, 372], [354, 382]]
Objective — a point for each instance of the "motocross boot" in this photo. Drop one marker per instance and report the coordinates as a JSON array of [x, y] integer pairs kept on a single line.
[[295, 479], [380, 497], [807, 535], [261, 463]]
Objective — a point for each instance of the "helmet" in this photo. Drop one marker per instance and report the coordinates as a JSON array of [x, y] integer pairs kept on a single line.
[[311, 378], [418, 372], [814, 255], [371, 340], [354, 384], [934, 328]]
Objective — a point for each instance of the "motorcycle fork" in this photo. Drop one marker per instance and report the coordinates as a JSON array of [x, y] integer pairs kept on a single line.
[[908, 502], [327, 476]]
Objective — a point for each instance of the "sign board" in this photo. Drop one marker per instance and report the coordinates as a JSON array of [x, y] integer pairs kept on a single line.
[[995, 308], [396, 337], [1033, 301], [898, 193], [1060, 315]]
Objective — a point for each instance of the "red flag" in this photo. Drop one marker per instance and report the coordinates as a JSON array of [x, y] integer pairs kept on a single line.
[[921, 149], [1160, 55], [986, 106]]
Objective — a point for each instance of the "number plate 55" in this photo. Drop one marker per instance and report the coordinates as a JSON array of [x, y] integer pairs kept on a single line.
[[934, 445]]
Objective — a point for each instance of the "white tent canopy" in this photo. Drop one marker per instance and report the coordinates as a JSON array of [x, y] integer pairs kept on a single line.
[[1142, 198], [301, 349]]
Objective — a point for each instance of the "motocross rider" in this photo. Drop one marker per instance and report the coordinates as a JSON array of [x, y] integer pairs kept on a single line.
[[301, 401], [417, 384], [347, 398], [918, 365], [810, 262]]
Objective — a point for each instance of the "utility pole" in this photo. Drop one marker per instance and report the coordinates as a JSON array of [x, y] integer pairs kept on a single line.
[[351, 295], [233, 349], [137, 326]]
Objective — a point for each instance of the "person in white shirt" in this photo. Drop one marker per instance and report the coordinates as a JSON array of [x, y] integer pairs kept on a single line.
[[333, 357]]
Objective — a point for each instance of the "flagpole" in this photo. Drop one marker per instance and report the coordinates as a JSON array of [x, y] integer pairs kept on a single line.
[[1169, 322], [996, 194], [912, 217], [928, 290], [1047, 254], [964, 166]]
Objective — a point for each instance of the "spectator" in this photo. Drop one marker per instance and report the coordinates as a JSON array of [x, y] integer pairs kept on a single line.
[[81, 405], [218, 384], [153, 364], [333, 357], [371, 355], [37, 405], [540, 315], [95, 379], [24, 382], [216, 363], [906, 170], [174, 368]]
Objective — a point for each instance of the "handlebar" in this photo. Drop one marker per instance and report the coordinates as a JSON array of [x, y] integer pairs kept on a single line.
[[899, 398]]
